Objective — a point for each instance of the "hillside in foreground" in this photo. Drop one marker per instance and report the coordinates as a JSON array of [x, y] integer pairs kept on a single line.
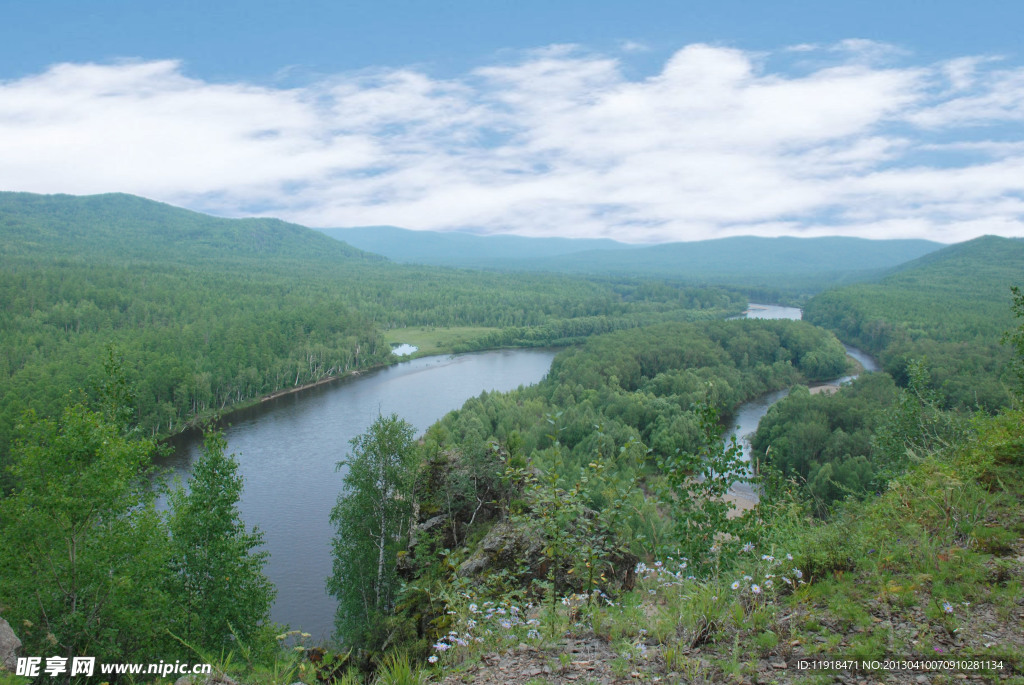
[[930, 574]]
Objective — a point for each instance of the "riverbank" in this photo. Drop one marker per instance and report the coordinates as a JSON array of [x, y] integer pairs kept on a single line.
[[288, 450], [307, 386], [221, 418], [432, 341]]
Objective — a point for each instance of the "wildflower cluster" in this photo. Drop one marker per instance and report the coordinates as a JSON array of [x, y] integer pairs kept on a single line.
[[770, 577], [664, 574], [636, 649], [596, 596], [640, 643], [485, 622]]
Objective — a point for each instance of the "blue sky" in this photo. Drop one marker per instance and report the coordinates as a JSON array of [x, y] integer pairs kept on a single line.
[[640, 121]]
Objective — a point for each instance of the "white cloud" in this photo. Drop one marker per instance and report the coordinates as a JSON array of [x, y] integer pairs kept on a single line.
[[975, 99], [868, 50], [633, 46], [556, 141]]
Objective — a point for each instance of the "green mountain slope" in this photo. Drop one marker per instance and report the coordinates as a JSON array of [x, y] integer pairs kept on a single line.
[[950, 307], [965, 270], [129, 227]]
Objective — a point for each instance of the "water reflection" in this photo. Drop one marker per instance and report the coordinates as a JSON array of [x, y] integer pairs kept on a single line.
[[403, 349]]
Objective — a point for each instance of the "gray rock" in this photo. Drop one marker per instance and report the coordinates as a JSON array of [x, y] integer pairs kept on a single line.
[[431, 523], [504, 546], [10, 646], [221, 679]]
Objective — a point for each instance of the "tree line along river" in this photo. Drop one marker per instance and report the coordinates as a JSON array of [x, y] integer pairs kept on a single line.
[[288, 448]]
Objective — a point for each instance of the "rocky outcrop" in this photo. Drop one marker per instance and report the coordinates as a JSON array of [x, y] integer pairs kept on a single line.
[[10, 646], [504, 547]]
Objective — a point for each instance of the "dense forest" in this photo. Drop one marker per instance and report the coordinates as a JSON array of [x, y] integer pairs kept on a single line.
[[597, 520], [950, 308], [208, 313], [937, 325]]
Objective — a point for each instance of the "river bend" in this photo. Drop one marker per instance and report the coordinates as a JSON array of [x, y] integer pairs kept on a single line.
[[288, 448]]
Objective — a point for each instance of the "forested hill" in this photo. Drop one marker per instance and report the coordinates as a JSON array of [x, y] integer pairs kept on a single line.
[[208, 313], [949, 309], [787, 263], [749, 259], [119, 226], [972, 267]]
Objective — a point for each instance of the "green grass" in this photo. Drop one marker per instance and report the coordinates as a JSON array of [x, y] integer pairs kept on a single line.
[[918, 571], [435, 340], [11, 679]]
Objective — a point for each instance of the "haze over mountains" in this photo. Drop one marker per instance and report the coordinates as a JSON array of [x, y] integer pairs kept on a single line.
[[122, 226], [748, 261]]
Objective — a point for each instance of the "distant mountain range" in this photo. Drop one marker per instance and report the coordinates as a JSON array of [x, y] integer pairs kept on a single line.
[[464, 250], [744, 261], [124, 227]]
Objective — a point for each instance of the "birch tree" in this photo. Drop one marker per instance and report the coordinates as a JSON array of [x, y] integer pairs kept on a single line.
[[217, 580], [371, 520]]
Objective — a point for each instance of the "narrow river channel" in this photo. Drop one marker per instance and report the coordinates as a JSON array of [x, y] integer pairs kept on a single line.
[[749, 414]]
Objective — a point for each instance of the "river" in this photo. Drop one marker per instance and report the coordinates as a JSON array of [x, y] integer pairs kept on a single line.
[[287, 450], [288, 447], [749, 414]]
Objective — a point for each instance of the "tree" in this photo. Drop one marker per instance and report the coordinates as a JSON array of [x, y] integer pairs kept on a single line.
[[696, 487], [1015, 337], [371, 518], [217, 573], [85, 552]]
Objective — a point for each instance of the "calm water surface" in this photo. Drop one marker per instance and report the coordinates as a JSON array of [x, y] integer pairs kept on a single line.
[[287, 450]]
